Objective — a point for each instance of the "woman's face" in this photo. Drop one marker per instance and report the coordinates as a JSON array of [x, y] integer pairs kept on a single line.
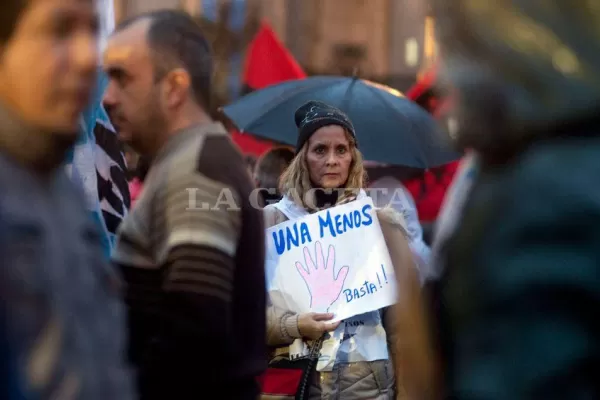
[[329, 157]]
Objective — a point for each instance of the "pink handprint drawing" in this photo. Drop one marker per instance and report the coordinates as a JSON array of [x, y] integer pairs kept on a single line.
[[323, 285]]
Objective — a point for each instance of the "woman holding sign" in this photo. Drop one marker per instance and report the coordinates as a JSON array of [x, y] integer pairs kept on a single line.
[[314, 357]]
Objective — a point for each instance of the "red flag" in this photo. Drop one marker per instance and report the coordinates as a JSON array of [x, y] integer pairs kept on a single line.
[[249, 144], [267, 62], [423, 85]]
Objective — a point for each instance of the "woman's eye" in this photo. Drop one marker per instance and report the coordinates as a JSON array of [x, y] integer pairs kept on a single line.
[[342, 150], [320, 150]]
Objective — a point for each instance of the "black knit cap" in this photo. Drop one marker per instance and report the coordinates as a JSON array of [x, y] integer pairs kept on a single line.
[[314, 115]]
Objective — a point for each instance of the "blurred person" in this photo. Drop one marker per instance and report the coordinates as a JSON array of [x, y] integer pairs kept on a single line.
[[327, 159], [388, 191], [267, 171], [64, 319], [193, 261], [12, 382], [519, 292]]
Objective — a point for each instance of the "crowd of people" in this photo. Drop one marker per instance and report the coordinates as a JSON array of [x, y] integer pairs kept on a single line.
[[502, 307]]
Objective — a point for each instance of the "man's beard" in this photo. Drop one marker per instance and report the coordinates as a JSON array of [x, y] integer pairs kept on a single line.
[[147, 140]]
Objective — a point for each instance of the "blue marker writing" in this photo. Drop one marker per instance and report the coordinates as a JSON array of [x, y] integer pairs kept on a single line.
[[366, 289], [384, 275], [291, 238]]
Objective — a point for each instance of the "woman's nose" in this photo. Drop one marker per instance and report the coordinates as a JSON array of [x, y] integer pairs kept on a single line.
[[331, 159]]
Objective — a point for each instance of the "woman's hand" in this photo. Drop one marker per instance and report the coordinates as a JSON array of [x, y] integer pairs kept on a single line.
[[314, 325]]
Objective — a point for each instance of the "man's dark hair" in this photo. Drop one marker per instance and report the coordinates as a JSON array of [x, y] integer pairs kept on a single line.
[[271, 165], [250, 161], [268, 170], [9, 17], [177, 41]]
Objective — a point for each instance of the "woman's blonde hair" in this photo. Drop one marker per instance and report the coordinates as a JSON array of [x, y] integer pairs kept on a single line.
[[295, 181]]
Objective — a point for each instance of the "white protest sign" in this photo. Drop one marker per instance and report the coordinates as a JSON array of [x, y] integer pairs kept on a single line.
[[333, 261]]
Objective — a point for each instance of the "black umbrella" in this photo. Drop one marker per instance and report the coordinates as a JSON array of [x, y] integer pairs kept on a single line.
[[390, 128]]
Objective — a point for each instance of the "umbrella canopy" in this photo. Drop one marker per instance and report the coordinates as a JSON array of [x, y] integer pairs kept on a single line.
[[389, 127]]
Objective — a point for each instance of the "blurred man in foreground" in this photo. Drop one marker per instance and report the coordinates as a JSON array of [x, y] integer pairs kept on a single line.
[[64, 321], [520, 289], [192, 250]]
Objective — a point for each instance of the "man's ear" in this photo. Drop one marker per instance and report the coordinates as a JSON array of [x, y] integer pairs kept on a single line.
[[177, 88]]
